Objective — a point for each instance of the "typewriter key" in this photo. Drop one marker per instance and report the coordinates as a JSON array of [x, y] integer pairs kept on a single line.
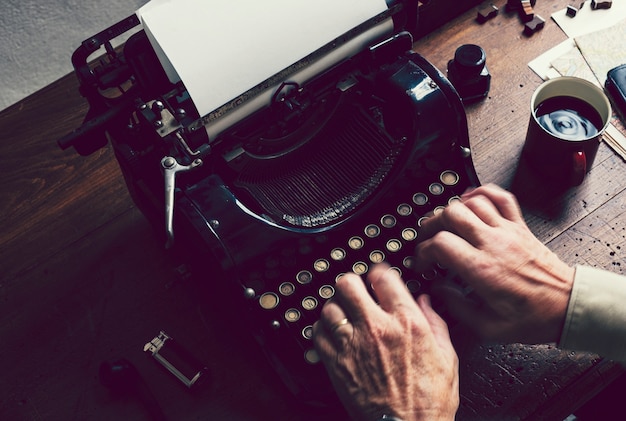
[[435, 189], [421, 220], [420, 199], [372, 231], [292, 315], [337, 254], [388, 221], [304, 277], [339, 275], [311, 356], [309, 303], [408, 262], [377, 256], [394, 245], [413, 286], [449, 178], [307, 332], [359, 268], [326, 291], [438, 210], [286, 288], [404, 209], [321, 265], [453, 199], [355, 243], [429, 275], [397, 270], [268, 301], [409, 234]]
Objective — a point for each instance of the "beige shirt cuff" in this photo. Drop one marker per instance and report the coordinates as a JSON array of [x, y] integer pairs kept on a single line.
[[596, 314]]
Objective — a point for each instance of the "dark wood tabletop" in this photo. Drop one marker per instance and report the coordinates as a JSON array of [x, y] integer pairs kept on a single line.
[[84, 279]]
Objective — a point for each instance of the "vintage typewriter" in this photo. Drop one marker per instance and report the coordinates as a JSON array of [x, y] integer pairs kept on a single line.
[[317, 176]]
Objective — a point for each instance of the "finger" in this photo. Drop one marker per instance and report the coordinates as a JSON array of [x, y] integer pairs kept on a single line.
[[484, 209], [324, 343], [336, 323], [438, 326], [389, 288], [355, 300], [457, 218], [446, 249], [504, 201]]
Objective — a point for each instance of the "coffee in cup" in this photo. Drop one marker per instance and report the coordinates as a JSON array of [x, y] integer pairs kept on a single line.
[[568, 116]]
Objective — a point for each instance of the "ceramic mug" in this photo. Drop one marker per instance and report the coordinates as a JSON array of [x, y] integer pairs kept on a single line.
[[568, 116]]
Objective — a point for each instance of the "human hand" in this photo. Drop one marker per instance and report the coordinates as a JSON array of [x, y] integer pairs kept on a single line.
[[395, 359], [523, 288]]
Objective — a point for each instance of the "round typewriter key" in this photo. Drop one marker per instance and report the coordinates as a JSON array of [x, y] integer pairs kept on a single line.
[[339, 276], [394, 245], [307, 332], [286, 288], [449, 178], [337, 254], [372, 231], [359, 268], [429, 275], [420, 199], [355, 243], [454, 199], [326, 291], [408, 262], [309, 303], [321, 265], [421, 220], [304, 277], [292, 315], [438, 210], [413, 286], [377, 256], [388, 221], [311, 356], [397, 270], [435, 189], [404, 209], [268, 301], [409, 234]]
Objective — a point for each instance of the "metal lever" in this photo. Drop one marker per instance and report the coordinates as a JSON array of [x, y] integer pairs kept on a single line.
[[171, 167]]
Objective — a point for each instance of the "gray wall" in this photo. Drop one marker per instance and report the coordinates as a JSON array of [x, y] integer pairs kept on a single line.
[[37, 38]]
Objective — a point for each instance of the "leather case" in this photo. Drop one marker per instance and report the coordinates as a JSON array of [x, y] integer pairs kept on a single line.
[[616, 89]]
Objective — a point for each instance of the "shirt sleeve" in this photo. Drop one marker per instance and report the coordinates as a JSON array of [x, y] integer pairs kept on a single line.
[[596, 314]]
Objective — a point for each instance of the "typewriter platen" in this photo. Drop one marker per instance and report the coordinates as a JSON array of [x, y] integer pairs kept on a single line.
[[330, 175]]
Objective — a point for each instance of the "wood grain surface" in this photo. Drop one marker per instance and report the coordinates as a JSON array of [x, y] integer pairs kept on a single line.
[[84, 279]]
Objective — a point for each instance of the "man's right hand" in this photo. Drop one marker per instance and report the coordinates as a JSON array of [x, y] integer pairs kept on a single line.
[[523, 287]]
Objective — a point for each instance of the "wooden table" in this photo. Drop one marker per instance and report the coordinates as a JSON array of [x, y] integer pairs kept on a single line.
[[85, 281]]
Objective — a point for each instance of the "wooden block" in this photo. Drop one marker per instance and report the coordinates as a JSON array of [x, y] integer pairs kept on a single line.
[[571, 11], [526, 12], [515, 5], [534, 25], [485, 12], [602, 4]]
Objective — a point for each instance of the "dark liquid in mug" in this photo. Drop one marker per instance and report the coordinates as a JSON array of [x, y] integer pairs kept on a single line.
[[568, 118]]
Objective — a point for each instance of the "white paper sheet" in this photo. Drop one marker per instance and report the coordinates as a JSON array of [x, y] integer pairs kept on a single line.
[[588, 20], [220, 49]]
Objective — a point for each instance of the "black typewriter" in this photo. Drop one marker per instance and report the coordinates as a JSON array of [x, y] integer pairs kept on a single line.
[[330, 174]]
